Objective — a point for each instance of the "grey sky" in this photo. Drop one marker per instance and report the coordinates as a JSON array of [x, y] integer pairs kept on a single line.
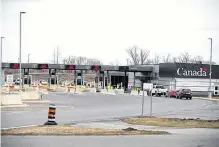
[[103, 29]]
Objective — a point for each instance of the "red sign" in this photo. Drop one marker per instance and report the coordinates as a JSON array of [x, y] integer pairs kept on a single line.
[[204, 69], [96, 67], [70, 67], [43, 66], [14, 65]]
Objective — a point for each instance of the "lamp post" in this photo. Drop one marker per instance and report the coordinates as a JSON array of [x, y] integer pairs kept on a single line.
[[1, 59], [28, 59], [1, 68], [209, 90], [20, 49]]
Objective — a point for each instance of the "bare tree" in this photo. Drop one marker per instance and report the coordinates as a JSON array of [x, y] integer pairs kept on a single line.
[[81, 61], [174, 59], [184, 57], [197, 59], [144, 54], [133, 53], [167, 59], [156, 59]]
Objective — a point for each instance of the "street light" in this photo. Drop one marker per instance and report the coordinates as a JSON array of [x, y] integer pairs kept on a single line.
[[20, 49], [210, 94], [28, 59], [1, 59], [1, 67]]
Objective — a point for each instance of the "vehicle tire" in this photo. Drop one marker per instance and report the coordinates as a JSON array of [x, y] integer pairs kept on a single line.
[[187, 98], [177, 97], [180, 97], [190, 98]]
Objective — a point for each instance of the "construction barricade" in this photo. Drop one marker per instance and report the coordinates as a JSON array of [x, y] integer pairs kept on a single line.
[[79, 89], [111, 91], [104, 91], [134, 92], [43, 89]]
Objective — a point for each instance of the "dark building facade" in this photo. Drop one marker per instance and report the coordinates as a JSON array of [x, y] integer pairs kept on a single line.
[[188, 70]]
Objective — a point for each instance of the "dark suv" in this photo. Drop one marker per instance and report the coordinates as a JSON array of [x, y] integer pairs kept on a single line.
[[184, 93]]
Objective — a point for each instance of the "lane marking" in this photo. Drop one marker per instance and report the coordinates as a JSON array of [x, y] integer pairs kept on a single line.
[[19, 127]]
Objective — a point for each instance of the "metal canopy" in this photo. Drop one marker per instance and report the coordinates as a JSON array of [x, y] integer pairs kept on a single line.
[[82, 67]]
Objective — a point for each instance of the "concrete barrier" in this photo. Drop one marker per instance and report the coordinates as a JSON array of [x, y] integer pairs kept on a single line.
[[104, 91], [111, 92], [78, 90], [11, 99], [11, 89], [53, 88], [134, 92], [72, 90], [61, 89], [141, 93], [119, 91], [31, 95], [93, 90]]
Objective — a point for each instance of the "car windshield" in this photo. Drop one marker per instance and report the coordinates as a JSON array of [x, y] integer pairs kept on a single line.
[[161, 87], [186, 90]]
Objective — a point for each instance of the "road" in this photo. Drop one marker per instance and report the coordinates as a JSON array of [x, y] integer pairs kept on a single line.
[[187, 138], [89, 107]]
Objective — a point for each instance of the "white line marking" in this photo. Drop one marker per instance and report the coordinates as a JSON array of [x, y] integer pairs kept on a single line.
[[19, 127]]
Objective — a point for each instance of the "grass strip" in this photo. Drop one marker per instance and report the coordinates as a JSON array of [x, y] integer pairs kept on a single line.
[[72, 130], [173, 122]]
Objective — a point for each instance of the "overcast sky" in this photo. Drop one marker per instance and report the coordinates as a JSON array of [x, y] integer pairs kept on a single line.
[[103, 29]]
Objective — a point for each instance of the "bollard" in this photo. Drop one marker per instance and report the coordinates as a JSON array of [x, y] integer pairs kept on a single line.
[[51, 115]]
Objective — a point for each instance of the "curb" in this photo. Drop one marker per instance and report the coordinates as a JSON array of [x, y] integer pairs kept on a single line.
[[19, 127], [10, 106], [212, 99]]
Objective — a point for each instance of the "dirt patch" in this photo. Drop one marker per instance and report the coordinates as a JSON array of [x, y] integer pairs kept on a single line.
[[72, 130], [173, 122]]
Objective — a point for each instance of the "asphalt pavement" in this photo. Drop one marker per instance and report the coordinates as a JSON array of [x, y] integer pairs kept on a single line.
[[190, 138], [85, 108], [73, 108]]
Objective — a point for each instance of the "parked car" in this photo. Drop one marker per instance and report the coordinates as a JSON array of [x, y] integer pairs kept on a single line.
[[17, 81], [159, 90], [171, 93], [184, 93]]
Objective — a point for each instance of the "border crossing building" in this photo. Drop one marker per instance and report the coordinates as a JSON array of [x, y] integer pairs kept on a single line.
[[171, 75]]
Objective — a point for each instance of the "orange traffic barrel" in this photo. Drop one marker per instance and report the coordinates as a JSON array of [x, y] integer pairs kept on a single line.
[[51, 115]]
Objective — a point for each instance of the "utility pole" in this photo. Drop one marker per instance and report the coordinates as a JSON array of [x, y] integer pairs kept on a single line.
[[54, 56], [20, 35], [57, 55], [210, 94], [28, 58], [1, 71]]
